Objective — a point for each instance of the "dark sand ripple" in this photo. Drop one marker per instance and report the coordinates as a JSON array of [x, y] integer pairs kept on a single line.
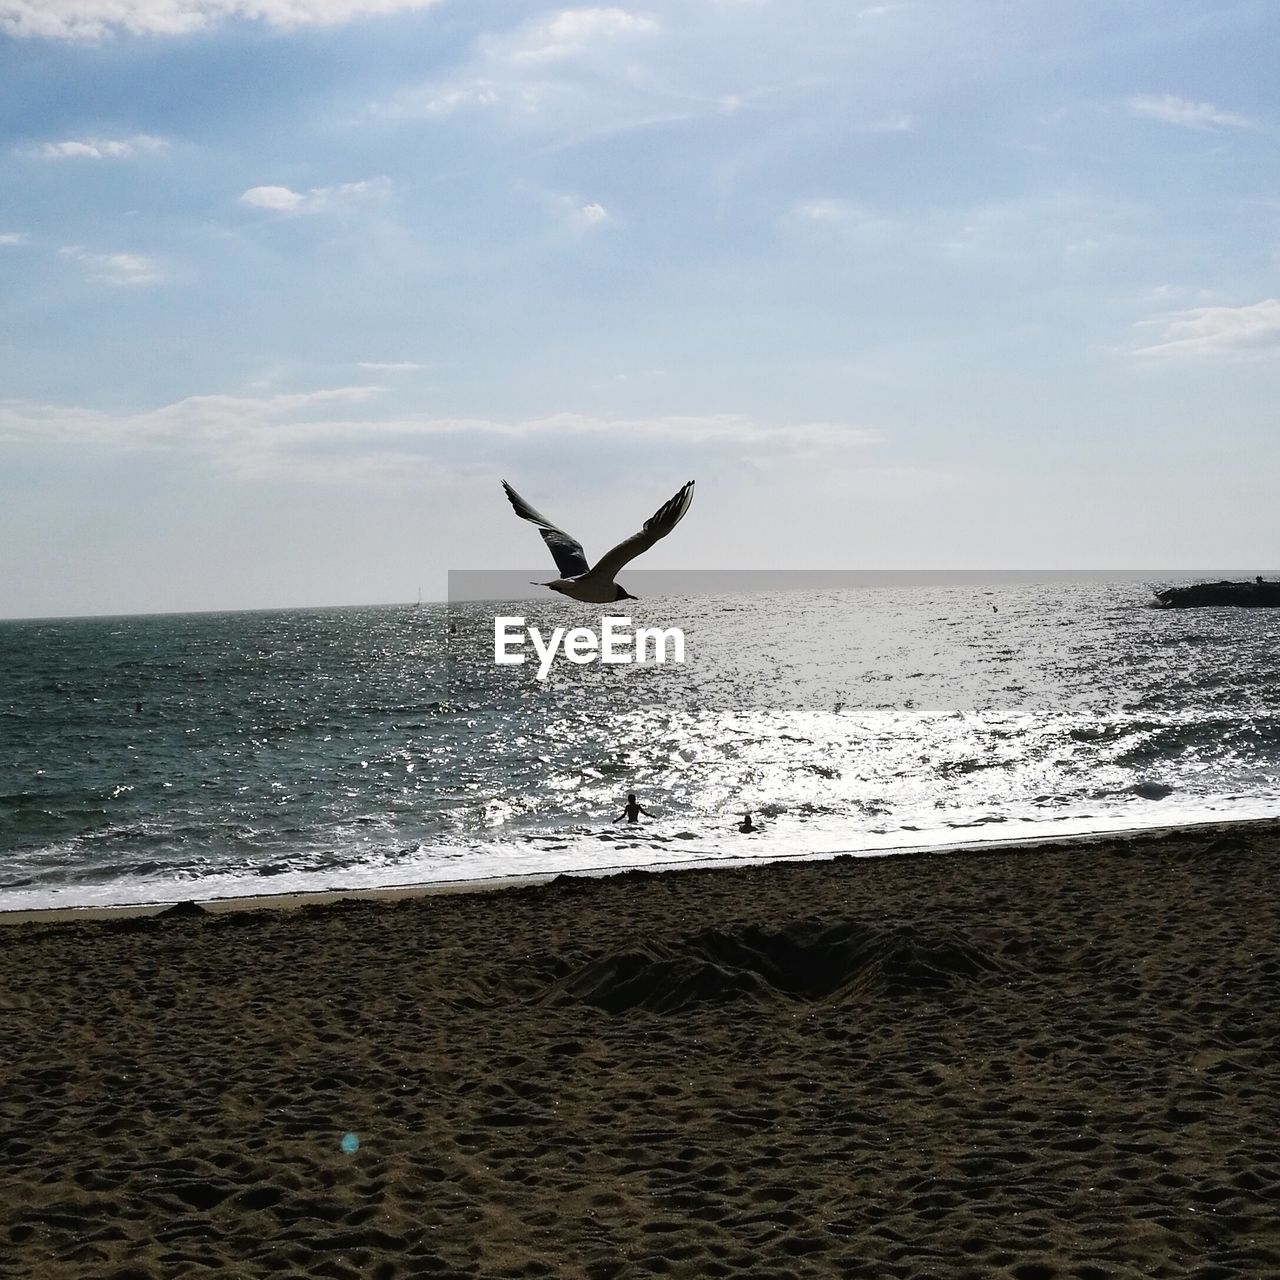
[[1054, 1062], [807, 960]]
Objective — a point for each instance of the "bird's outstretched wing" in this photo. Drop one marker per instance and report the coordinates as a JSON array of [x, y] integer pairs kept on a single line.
[[567, 552], [656, 526]]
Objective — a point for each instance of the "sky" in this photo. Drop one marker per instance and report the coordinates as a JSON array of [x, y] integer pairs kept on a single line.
[[290, 286]]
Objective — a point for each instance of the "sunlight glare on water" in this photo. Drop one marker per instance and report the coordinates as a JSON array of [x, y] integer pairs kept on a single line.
[[331, 748]]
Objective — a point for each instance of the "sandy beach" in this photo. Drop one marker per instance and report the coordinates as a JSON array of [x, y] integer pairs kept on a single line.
[[1052, 1061]]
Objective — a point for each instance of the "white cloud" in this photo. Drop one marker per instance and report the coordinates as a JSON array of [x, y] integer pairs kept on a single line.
[[1181, 111], [93, 19], [445, 100], [316, 199], [484, 92], [731, 429], [13, 237], [573, 211], [1252, 330], [315, 436], [113, 268], [572, 30], [562, 70], [198, 421], [97, 148], [278, 199]]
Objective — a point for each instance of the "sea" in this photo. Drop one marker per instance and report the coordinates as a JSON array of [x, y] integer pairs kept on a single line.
[[210, 755]]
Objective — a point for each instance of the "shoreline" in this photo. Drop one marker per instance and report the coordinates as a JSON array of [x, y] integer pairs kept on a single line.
[[220, 904]]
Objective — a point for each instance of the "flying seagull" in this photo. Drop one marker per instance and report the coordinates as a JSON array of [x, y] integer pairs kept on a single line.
[[578, 579]]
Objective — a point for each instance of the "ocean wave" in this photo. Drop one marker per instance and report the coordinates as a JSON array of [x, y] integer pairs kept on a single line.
[[323, 746]]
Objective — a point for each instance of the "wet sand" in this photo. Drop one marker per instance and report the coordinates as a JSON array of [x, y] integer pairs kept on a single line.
[[1054, 1061]]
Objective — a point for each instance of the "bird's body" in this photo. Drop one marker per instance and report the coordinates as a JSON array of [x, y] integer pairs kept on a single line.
[[588, 590], [578, 580]]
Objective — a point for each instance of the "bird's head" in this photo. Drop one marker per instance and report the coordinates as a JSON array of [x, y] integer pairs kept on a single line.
[[619, 594]]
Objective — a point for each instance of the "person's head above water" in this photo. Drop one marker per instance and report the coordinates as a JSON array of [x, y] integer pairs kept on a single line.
[[631, 797]]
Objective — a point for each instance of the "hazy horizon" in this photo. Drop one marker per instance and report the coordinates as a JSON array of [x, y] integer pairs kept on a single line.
[[871, 579]]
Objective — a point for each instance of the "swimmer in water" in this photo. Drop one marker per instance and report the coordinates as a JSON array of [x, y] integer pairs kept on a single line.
[[632, 810], [746, 826]]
